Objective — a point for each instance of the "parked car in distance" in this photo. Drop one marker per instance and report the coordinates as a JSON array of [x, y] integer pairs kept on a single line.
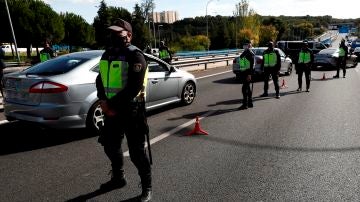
[[292, 48], [286, 63], [357, 53], [61, 92], [328, 58]]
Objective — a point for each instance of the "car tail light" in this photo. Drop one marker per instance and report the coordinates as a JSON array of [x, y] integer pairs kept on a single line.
[[47, 87], [258, 60]]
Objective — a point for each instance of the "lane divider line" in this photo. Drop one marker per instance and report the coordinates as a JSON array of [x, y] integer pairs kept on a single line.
[[174, 130], [203, 77]]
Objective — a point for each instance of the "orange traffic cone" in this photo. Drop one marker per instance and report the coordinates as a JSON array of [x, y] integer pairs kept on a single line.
[[324, 77], [283, 85], [197, 129]]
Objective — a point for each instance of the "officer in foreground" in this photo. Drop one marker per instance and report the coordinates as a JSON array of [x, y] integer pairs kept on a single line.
[[121, 91], [164, 52], [47, 53], [246, 63], [271, 65], [305, 61], [343, 53]]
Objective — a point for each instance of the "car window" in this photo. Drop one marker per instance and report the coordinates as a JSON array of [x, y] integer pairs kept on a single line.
[[55, 66], [155, 66], [294, 45]]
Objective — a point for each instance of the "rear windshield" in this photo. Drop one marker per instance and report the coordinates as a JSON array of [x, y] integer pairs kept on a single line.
[[328, 51], [56, 66], [258, 51]]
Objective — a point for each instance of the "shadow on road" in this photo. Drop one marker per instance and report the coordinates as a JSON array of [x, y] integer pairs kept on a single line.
[[20, 136], [86, 197]]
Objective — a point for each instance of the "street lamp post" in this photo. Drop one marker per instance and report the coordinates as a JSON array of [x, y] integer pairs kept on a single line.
[[12, 31], [207, 23], [159, 33]]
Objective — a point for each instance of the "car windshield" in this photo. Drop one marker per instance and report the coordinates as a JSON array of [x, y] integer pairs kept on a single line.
[[55, 66], [328, 51], [258, 51]]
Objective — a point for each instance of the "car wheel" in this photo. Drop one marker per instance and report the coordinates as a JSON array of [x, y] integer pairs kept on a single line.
[[289, 70], [95, 117], [355, 64], [188, 93]]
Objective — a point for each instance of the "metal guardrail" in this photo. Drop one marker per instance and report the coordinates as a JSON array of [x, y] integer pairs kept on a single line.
[[15, 64]]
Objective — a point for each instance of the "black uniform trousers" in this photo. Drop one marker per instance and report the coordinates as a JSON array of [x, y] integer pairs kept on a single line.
[[246, 90], [133, 124], [303, 68], [342, 65], [275, 77]]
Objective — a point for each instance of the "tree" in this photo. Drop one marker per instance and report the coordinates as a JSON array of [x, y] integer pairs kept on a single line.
[[77, 31], [107, 15], [140, 36], [248, 22], [101, 23], [35, 21], [267, 33]]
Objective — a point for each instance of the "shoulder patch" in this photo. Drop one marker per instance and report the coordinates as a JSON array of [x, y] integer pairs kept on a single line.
[[137, 67]]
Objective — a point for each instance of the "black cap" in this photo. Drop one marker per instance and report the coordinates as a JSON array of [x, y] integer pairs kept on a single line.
[[120, 25]]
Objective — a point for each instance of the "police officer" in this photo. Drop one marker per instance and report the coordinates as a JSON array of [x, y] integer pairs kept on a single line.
[[343, 54], [305, 61], [46, 53], [164, 52], [271, 66], [121, 87], [246, 63]]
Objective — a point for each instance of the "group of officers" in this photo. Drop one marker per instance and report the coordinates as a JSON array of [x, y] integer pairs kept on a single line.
[[271, 65], [121, 91]]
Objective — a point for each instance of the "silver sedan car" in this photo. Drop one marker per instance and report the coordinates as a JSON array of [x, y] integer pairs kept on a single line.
[[61, 92], [286, 62]]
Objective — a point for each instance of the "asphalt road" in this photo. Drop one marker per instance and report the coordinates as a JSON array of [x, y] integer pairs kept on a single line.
[[303, 147]]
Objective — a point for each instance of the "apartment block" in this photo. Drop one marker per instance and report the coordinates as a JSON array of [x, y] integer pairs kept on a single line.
[[165, 17]]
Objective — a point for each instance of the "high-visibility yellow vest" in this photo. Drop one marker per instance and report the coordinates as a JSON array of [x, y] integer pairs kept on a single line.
[[270, 59], [164, 54], [341, 52], [114, 77], [244, 64], [44, 57], [304, 57]]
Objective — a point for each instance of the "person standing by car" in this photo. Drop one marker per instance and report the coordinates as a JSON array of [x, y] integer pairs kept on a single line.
[[305, 61], [47, 53], [271, 65], [121, 87], [343, 53], [246, 63], [164, 53]]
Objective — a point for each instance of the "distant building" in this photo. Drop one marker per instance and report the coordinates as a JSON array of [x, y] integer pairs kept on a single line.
[[165, 17]]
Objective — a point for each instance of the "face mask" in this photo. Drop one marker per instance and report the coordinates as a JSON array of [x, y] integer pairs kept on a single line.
[[119, 41]]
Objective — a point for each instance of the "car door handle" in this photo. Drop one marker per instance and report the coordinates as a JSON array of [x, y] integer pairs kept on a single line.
[[154, 81]]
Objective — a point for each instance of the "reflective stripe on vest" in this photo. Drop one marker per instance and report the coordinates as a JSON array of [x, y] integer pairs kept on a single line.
[[304, 57], [44, 57], [244, 64], [270, 59], [164, 54], [341, 52], [113, 76]]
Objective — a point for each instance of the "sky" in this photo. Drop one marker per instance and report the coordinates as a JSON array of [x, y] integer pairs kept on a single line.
[[192, 8]]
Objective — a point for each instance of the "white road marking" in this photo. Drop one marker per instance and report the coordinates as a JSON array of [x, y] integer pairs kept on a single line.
[[173, 131], [4, 121], [203, 77]]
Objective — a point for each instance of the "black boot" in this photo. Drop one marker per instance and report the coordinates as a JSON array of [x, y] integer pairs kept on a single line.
[[117, 181], [146, 195]]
